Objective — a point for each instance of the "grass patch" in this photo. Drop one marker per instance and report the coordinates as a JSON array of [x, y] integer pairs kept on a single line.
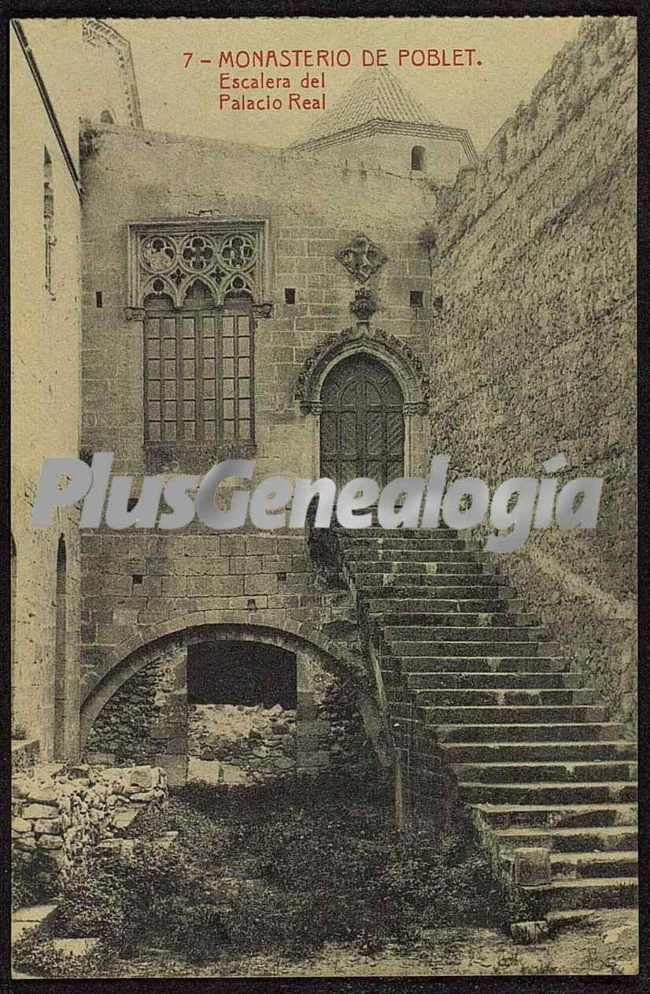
[[279, 869]]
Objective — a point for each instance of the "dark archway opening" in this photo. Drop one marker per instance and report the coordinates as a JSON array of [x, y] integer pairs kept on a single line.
[[241, 704], [241, 673]]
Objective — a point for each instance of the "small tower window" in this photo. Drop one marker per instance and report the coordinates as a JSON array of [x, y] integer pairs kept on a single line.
[[417, 299], [417, 158], [106, 117]]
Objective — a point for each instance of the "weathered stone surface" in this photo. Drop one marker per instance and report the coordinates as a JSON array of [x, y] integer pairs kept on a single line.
[[40, 811], [49, 825], [240, 736], [50, 842], [527, 932], [532, 866], [42, 794], [76, 948], [537, 246]]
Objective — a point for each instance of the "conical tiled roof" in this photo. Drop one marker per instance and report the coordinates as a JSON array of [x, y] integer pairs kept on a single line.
[[375, 95]]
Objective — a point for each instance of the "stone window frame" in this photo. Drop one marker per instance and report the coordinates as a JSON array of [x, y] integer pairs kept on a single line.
[[144, 281]]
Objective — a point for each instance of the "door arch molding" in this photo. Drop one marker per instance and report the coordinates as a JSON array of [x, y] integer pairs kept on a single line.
[[403, 362]]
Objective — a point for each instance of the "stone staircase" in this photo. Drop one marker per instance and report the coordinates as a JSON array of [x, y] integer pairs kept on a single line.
[[550, 781]]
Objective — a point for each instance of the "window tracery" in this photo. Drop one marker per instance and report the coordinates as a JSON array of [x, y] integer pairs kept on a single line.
[[167, 257]]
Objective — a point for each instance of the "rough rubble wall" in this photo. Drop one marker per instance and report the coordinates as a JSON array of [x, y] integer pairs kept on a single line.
[[534, 351], [59, 815], [250, 743], [146, 720]]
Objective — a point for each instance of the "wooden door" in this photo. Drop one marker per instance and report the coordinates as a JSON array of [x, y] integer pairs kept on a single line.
[[362, 422]]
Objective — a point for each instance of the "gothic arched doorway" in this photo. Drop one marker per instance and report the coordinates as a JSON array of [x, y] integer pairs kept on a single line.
[[362, 422]]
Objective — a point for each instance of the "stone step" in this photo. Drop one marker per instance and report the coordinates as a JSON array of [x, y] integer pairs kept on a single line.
[[464, 633], [416, 621], [621, 792], [556, 816], [583, 866], [29, 918], [422, 570], [514, 714], [506, 697], [596, 892], [375, 531], [587, 865], [400, 543], [437, 554], [438, 587], [468, 752], [530, 732], [124, 817], [432, 587], [477, 664], [481, 680], [609, 838], [595, 771], [435, 606], [471, 647]]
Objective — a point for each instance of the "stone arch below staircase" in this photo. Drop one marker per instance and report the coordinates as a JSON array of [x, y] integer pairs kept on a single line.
[[142, 704]]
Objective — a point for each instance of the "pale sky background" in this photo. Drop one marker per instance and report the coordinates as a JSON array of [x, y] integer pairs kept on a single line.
[[515, 53]]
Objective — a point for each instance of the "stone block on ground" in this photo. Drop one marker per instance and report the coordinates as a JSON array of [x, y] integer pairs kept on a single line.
[[524, 933], [76, 948]]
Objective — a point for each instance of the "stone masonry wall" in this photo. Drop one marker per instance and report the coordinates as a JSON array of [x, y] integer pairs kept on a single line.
[[312, 210], [139, 586], [534, 351], [45, 395]]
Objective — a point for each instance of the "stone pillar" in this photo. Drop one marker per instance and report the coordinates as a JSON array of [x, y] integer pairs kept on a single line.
[[311, 733], [169, 733]]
